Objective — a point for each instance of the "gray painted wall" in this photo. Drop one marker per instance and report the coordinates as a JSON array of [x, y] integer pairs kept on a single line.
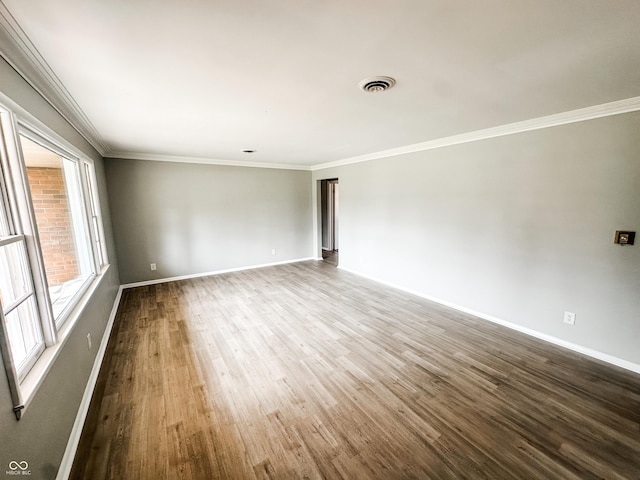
[[41, 436], [193, 218], [519, 227]]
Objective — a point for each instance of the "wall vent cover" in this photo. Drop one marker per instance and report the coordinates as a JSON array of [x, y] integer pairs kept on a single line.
[[376, 84]]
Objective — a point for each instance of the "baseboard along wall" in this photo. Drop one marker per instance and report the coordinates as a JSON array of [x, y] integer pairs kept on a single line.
[[74, 439], [216, 272], [605, 357], [76, 431]]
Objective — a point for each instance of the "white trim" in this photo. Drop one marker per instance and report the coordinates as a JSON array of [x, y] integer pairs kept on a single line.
[[573, 116], [205, 161], [24, 58], [36, 376], [74, 438], [216, 272], [605, 357], [76, 431], [26, 120]]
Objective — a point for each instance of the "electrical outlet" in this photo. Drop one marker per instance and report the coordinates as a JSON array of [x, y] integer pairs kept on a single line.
[[569, 318], [153, 266], [89, 341], [273, 251]]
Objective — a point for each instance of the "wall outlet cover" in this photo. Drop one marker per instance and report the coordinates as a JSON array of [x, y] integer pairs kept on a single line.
[[569, 318]]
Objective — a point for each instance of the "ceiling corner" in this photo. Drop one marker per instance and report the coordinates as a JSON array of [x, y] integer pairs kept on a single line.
[[18, 50], [206, 161]]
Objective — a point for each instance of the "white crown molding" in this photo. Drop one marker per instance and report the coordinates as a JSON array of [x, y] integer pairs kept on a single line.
[[572, 116], [25, 59], [206, 161]]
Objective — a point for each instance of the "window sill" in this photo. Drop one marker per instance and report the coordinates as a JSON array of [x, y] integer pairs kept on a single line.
[[39, 371]]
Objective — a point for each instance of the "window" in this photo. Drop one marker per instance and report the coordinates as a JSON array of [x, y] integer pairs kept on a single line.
[[19, 304], [23, 330], [56, 194], [51, 243]]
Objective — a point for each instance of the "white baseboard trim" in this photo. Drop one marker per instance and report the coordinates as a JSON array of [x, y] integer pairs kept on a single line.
[[216, 272], [605, 357], [76, 431]]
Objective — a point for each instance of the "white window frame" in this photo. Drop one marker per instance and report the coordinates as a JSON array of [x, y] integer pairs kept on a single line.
[[93, 207], [32, 357], [40, 139], [15, 195]]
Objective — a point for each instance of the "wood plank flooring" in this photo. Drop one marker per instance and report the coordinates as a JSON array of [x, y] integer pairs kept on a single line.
[[303, 371], [330, 257]]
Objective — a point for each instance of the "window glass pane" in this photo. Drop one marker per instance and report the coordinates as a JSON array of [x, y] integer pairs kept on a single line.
[[25, 336], [14, 280], [57, 199]]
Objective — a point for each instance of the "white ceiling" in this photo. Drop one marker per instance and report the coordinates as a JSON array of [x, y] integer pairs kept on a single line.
[[206, 79]]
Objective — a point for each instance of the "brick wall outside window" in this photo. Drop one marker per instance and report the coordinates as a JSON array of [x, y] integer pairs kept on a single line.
[[54, 224]]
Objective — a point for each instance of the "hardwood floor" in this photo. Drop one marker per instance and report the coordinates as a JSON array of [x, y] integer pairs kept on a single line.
[[304, 371], [330, 256]]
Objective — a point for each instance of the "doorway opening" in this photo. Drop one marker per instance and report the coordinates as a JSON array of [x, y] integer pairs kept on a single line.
[[329, 212]]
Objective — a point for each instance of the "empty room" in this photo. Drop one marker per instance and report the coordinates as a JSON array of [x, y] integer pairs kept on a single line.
[[320, 240]]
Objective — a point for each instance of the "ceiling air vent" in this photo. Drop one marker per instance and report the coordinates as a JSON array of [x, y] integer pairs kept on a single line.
[[376, 84]]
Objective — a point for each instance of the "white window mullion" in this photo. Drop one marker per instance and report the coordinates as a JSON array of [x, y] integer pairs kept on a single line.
[[5, 221], [8, 144], [93, 209], [80, 216]]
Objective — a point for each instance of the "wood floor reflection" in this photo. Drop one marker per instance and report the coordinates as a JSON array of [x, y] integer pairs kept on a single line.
[[330, 257], [306, 371]]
